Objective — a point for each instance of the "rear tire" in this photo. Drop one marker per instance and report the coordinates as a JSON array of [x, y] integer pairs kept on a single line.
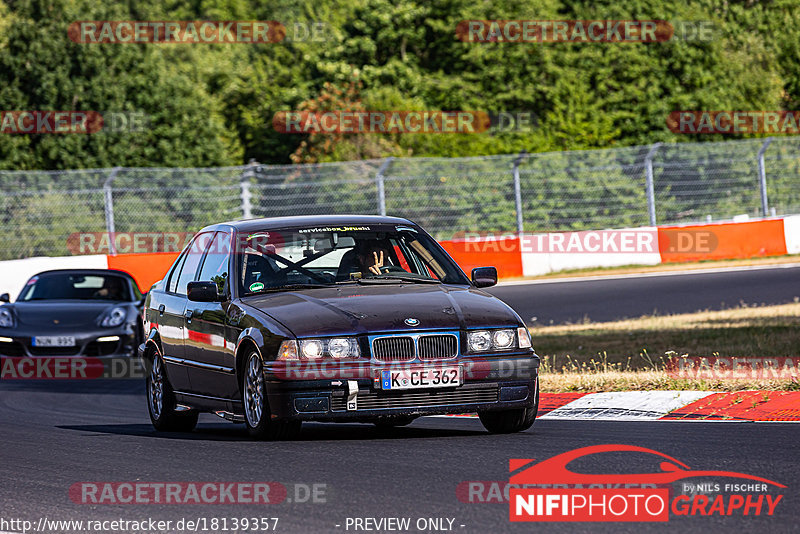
[[161, 403], [259, 423], [510, 421]]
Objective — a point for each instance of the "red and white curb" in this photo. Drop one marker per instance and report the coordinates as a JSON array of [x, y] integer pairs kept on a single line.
[[742, 406]]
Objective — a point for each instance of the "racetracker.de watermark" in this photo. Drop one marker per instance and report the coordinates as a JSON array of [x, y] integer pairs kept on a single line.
[[583, 31], [196, 31], [734, 122], [72, 122], [192, 492], [623, 241], [564, 31], [733, 368], [69, 368], [403, 122]]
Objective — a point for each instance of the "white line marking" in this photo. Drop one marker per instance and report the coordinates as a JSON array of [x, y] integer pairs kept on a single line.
[[716, 270], [626, 405]]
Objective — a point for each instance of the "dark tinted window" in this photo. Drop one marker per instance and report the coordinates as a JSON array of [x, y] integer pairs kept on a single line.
[[215, 264], [194, 253], [175, 272], [77, 286]]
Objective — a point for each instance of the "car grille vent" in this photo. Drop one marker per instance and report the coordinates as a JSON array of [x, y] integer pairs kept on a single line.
[[393, 349], [437, 347]]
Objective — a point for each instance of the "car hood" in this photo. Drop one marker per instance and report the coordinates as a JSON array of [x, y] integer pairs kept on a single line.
[[359, 309], [66, 312]]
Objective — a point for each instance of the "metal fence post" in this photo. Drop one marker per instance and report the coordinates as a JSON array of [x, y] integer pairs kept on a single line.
[[762, 176], [379, 183], [109, 209], [651, 193], [518, 190], [245, 194]]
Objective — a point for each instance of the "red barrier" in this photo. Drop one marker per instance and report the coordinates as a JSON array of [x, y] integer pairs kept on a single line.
[[501, 252], [723, 241], [146, 269]]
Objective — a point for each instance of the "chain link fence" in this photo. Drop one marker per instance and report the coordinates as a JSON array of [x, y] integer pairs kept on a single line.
[[592, 189]]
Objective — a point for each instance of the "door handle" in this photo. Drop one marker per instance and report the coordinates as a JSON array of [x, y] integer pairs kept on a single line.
[[161, 309], [188, 314]]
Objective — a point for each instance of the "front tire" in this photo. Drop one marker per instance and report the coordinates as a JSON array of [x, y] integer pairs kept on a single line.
[[256, 408], [510, 421], [161, 402]]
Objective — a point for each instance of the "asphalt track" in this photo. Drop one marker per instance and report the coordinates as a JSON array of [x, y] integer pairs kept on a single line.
[[57, 433], [599, 299]]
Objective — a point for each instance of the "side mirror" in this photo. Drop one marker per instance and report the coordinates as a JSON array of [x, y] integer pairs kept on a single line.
[[484, 276], [202, 292], [5, 297]]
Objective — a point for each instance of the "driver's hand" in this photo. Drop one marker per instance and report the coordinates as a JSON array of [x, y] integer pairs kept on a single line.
[[376, 267]]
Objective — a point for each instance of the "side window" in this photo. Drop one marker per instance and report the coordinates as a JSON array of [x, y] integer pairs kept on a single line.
[[193, 256], [215, 264], [176, 271]]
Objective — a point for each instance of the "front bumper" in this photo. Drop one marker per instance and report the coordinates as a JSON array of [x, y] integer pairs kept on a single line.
[[495, 384], [87, 344]]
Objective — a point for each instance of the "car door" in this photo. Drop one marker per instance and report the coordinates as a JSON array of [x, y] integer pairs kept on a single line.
[[171, 312], [208, 356]]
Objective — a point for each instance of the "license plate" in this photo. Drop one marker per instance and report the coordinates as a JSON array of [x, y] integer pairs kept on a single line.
[[54, 341], [440, 377]]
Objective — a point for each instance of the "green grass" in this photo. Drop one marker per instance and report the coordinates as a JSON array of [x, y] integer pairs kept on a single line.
[[633, 354]]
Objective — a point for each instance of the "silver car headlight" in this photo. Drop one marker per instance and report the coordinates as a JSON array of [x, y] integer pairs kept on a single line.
[[503, 339], [343, 347], [6, 318], [336, 348], [484, 340], [114, 317], [479, 340]]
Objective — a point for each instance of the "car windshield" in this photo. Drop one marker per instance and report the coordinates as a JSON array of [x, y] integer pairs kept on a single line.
[[324, 257], [68, 286]]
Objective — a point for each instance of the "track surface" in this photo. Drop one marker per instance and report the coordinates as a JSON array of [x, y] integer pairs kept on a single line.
[[608, 299], [57, 434]]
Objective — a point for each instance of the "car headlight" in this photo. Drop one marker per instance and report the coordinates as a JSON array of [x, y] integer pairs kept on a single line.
[[337, 348], [6, 318], [503, 339], [484, 340], [343, 347], [479, 341], [311, 349], [115, 317]]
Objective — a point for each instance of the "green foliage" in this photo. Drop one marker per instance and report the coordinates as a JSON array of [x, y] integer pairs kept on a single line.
[[213, 104]]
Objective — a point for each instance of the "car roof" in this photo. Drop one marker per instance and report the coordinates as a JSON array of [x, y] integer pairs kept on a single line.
[[275, 223], [85, 271]]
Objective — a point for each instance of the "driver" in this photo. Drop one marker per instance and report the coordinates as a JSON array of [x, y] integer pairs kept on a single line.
[[373, 259], [113, 288]]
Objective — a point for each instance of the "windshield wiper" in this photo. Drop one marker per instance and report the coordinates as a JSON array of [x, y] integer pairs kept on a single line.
[[402, 278]]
